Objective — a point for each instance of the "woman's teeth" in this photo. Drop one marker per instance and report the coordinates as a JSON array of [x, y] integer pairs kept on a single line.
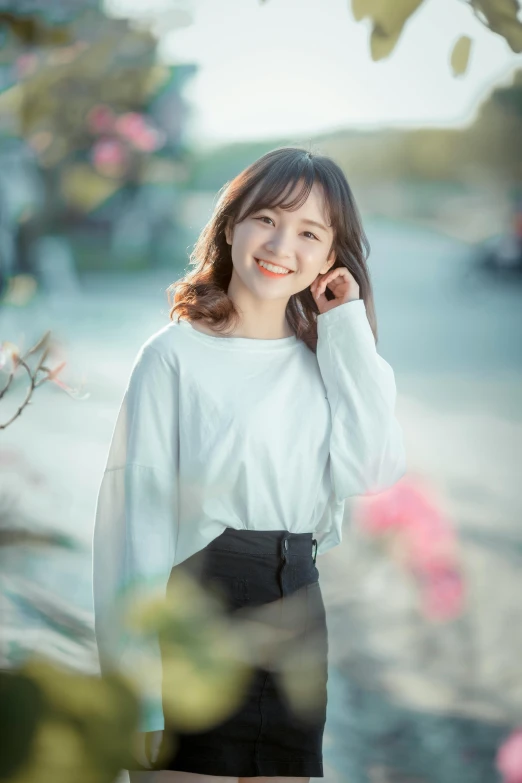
[[271, 268]]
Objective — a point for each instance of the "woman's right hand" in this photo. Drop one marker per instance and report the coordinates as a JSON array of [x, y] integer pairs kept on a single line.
[[144, 741]]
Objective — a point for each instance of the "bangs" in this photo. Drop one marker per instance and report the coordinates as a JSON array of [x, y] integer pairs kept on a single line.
[[275, 185]]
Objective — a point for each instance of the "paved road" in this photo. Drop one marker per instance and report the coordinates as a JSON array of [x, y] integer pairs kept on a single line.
[[454, 343]]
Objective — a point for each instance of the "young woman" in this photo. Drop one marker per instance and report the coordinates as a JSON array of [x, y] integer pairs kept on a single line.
[[246, 423]]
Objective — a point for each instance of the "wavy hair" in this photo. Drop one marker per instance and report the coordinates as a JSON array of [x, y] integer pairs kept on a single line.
[[202, 292]]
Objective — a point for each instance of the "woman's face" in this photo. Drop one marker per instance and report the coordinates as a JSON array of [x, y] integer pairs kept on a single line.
[[284, 239]]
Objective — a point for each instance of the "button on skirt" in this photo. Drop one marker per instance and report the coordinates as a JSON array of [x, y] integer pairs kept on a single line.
[[266, 735]]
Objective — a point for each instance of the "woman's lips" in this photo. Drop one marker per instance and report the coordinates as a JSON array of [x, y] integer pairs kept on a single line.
[[271, 274]]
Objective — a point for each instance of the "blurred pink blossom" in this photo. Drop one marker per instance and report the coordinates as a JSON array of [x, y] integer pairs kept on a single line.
[[130, 124], [139, 132], [404, 502], [149, 140], [109, 156], [430, 542], [409, 514], [509, 758], [101, 119]]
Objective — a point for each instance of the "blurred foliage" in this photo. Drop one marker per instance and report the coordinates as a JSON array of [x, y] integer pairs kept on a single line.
[[34, 32], [205, 662], [54, 12], [389, 17], [21, 708], [56, 723], [460, 55], [501, 17], [109, 64], [388, 20], [86, 107], [42, 23], [64, 725], [60, 725]]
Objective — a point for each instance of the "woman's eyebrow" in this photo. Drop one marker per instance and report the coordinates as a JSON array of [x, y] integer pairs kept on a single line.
[[303, 220], [314, 223]]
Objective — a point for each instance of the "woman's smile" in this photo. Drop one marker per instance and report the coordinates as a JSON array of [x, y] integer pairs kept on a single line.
[[272, 270]]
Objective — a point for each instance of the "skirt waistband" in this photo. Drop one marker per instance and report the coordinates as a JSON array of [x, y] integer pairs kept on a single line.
[[265, 542]]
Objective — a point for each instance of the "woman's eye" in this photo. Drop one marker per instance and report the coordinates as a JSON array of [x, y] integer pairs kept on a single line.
[[265, 217]]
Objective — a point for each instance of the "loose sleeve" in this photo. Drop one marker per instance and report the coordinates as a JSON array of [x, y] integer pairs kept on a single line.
[[366, 447], [136, 522]]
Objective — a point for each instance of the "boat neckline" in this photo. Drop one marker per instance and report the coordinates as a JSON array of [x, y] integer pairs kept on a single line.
[[250, 343]]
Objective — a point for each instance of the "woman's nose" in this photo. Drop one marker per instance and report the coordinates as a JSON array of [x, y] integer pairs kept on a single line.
[[280, 247]]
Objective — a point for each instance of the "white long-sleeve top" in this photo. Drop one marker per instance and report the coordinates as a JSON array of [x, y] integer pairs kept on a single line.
[[252, 434]]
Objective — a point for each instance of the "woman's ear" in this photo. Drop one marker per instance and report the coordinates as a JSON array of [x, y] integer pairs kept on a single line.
[[328, 264], [228, 233]]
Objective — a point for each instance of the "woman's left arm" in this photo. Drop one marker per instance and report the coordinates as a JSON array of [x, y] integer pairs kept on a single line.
[[366, 448]]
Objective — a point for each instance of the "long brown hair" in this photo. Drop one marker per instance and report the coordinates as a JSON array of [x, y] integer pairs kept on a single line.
[[202, 292]]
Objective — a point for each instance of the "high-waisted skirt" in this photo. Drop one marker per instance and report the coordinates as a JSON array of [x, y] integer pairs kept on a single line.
[[266, 735]]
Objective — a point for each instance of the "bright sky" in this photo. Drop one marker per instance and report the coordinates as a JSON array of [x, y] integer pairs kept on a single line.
[[298, 67]]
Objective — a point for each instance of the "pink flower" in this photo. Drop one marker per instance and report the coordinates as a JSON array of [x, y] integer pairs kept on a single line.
[[429, 541], [403, 506], [101, 119], [509, 758], [148, 140], [110, 157], [130, 124], [137, 130], [425, 541]]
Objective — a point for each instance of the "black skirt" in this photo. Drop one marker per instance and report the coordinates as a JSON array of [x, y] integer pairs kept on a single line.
[[265, 736]]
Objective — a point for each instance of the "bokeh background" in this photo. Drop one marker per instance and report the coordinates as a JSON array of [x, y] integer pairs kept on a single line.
[[119, 123]]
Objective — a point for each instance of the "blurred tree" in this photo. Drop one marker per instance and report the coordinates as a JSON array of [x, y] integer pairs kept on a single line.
[[82, 107], [94, 109], [42, 22], [76, 97], [52, 11]]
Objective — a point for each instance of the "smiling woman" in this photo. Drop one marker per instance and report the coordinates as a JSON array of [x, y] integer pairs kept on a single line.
[[233, 454], [266, 213]]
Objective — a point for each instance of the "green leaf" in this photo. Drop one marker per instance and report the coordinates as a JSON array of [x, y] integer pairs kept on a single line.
[[460, 55], [501, 18], [21, 707], [361, 8], [388, 20], [382, 44], [60, 725]]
